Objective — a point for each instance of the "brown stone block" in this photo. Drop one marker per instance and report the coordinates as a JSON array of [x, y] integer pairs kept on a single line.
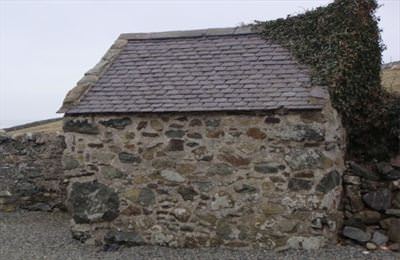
[[256, 133]]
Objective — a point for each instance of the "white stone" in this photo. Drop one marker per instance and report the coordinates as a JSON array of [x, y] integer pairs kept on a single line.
[[181, 214], [4, 194], [371, 246], [172, 176], [221, 202], [307, 243], [180, 211], [29, 136], [95, 217], [352, 179]]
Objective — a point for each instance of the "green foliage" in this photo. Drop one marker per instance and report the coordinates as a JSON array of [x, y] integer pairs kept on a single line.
[[341, 43]]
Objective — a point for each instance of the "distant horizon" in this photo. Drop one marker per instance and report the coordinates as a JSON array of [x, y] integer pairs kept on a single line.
[[14, 123], [47, 46], [11, 123]]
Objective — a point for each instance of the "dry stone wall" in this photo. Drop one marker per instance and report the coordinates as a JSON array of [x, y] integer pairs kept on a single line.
[[31, 174], [372, 204], [187, 180]]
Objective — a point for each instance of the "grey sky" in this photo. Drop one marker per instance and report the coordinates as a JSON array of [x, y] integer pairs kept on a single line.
[[47, 46]]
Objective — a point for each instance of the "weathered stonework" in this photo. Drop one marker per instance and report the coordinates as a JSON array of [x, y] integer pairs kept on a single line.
[[31, 172], [372, 204], [186, 180]]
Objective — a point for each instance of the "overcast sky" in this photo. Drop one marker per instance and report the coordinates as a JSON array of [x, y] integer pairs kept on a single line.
[[47, 46]]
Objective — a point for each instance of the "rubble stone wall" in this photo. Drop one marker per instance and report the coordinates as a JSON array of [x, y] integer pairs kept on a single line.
[[372, 204], [31, 174], [188, 180]]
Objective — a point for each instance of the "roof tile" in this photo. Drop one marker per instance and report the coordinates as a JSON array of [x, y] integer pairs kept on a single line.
[[208, 73]]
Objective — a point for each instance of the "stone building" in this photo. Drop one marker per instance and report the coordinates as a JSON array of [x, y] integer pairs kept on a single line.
[[202, 138]]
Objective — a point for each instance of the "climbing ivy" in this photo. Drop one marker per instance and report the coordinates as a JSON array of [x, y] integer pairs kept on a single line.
[[341, 43]]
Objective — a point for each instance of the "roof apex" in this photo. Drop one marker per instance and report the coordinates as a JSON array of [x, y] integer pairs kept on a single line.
[[189, 33]]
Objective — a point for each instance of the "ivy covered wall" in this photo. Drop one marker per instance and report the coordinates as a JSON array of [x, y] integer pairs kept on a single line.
[[341, 43]]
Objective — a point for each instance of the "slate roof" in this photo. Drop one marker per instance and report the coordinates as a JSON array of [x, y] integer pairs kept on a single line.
[[202, 70]]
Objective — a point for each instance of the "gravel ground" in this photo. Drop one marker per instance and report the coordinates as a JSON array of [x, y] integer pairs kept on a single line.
[[36, 235]]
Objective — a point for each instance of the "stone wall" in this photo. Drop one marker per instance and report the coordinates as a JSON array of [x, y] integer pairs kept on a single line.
[[187, 180], [31, 174], [372, 204]]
